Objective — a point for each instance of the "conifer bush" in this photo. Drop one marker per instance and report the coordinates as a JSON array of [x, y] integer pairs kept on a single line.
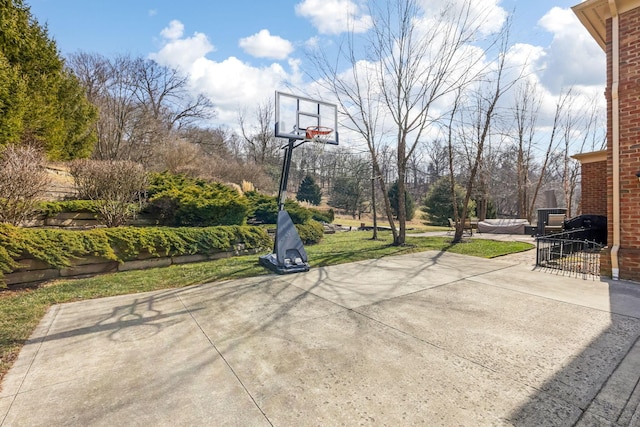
[[178, 200], [264, 209]]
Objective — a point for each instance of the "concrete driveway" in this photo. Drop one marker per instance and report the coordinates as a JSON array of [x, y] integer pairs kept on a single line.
[[431, 339]]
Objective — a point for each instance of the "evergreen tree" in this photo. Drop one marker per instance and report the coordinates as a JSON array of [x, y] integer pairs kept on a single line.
[[439, 206], [349, 194], [309, 191], [41, 102], [408, 201]]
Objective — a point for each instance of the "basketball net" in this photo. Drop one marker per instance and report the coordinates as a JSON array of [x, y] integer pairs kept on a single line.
[[318, 136]]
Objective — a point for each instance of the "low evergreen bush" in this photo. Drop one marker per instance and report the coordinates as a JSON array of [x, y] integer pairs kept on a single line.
[[311, 232], [264, 209], [177, 200], [322, 215], [51, 209], [57, 247]]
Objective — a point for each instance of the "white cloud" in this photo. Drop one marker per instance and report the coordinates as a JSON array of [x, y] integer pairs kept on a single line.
[[334, 16], [265, 45], [573, 58], [175, 30], [152, 12], [487, 15], [231, 84], [179, 53]]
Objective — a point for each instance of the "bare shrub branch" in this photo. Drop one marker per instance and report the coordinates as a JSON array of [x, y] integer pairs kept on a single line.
[[115, 185], [23, 182]]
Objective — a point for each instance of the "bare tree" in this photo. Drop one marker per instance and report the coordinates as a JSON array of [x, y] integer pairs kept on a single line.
[[414, 61], [525, 110], [579, 132], [260, 142], [359, 101], [437, 166], [562, 104], [141, 104], [418, 66], [481, 118], [23, 182]]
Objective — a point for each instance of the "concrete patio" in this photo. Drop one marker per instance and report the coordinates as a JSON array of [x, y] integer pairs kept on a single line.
[[423, 339]]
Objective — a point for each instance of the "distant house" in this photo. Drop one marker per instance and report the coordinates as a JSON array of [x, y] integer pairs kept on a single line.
[[615, 25]]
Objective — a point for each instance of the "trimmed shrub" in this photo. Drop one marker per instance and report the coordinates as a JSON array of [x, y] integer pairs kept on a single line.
[[178, 200], [264, 209], [322, 216], [311, 232], [51, 209], [51, 246], [57, 247]]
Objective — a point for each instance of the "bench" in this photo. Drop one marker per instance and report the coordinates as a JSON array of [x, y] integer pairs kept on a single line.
[[469, 225]]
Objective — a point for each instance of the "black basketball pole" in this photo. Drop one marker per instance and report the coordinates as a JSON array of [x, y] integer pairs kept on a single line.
[[284, 177], [289, 255]]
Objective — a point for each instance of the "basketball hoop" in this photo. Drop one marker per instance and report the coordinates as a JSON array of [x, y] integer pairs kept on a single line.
[[318, 133]]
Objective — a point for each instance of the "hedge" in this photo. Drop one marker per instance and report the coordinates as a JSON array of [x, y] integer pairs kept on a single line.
[[264, 209], [311, 232], [57, 247], [51, 209], [178, 200]]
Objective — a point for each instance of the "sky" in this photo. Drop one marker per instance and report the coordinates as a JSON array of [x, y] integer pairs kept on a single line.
[[239, 52]]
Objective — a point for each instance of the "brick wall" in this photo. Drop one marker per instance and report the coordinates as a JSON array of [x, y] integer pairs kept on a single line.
[[629, 98], [593, 200], [594, 178]]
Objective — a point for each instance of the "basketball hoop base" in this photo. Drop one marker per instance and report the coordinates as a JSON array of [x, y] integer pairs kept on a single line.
[[288, 254], [270, 262]]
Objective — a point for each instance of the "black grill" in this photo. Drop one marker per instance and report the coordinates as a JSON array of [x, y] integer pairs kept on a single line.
[[588, 227]]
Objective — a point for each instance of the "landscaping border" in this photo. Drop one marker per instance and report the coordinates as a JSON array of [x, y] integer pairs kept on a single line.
[[32, 271], [29, 255]]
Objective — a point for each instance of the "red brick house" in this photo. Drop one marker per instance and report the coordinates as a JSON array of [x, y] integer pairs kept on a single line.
[[615, 25]]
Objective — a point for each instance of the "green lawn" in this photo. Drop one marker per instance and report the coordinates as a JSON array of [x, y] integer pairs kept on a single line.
[[21, 311]]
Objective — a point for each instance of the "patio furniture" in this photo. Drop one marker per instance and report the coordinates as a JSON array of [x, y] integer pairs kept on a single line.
[[554, 224], [469, 225]]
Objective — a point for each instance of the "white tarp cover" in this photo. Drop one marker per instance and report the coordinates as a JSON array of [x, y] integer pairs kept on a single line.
[[502, 226]]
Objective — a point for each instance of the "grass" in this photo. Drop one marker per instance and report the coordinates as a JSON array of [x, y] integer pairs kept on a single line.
[[21, 311], [416, 225]]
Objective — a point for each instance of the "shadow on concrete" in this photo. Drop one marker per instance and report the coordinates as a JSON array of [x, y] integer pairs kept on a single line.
[[604, 376], [139, 313]]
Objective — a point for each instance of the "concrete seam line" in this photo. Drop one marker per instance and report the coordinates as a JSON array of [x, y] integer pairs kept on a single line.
[[235, 374], [55, 308], [556, 300]]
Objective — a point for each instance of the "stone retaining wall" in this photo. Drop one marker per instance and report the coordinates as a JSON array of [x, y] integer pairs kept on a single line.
[[80, 220], [32, 271]]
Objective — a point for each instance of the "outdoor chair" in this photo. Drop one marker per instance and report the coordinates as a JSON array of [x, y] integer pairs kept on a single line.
[[469, 225], [554, 224]]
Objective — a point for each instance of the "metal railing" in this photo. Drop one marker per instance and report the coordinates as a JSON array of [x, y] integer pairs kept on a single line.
[[569, 252]]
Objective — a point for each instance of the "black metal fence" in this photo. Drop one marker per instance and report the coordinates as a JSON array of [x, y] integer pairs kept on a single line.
[[569, 252]]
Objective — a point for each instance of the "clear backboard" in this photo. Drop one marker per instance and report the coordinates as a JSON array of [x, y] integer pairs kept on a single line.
[[303, 118]]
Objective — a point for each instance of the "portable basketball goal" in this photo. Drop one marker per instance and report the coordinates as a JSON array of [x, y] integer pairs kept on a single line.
[[298, 120]]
